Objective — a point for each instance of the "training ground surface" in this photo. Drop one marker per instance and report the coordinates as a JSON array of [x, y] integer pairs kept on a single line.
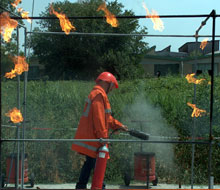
[[132, 186]]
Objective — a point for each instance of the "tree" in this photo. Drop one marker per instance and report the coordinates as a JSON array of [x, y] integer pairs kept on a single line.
[[75, 56], [7, 5], [8, 49], [7, 52]]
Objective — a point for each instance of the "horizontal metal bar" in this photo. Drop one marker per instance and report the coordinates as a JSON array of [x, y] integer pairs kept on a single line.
[[121, 17], [103, 141], [118, 34], [9, 126], [37, 128], [121, 134]]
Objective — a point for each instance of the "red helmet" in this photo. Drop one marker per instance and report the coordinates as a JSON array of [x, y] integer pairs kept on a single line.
[[108, 77]]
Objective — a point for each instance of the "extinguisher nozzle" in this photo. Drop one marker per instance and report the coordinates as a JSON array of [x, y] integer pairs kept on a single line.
[[139, 134]]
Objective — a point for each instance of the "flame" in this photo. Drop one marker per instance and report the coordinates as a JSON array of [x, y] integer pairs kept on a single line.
[[19, 10], [11, 74], [20, 66], [7, 26], [15, 115], [16, 2], [190, 78], [196, 111], [110, 18], [158, 23], [204, 43], [24, 14], [64, 21]]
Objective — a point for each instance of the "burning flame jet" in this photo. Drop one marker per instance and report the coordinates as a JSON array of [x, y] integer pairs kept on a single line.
[[24, 14], [110, 18], [190, 78], [16, 2], [158, 23], [196, 111], [204, 43], [20, 66], [7, 26], [15, 115], [64, 21]]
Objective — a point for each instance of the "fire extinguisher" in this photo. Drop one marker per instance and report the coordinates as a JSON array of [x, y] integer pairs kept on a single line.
[[100, 166]]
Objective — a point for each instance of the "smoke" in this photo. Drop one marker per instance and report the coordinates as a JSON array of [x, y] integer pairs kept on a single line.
[[143, 116]]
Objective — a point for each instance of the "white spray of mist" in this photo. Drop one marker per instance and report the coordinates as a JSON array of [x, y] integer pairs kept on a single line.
[[143, 116]]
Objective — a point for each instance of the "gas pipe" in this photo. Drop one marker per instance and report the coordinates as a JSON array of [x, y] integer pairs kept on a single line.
[[100, 166]]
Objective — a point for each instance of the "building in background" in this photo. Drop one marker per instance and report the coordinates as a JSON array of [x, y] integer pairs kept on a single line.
[[36, 70], [190, 59]]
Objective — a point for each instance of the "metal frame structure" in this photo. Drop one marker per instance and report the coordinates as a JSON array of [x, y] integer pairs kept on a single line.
[[193, 142], [20, 147], [203, 23]]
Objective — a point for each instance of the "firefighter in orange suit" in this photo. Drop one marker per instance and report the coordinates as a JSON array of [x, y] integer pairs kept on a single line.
[[95, 123]]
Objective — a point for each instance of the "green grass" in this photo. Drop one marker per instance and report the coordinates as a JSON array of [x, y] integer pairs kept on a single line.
[[56, 107]]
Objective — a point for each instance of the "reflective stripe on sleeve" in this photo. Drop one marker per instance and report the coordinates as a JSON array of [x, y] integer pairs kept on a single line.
[[86, 112], [86, 146]]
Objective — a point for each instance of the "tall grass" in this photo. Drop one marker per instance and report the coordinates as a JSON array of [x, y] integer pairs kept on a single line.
[[157, 106]]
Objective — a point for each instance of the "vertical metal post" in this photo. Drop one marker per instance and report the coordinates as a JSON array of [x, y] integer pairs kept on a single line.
[[25, 96], [1, 177], [141, 128], [29, 44], [194, 121], [193, 154], [213, 14], [18, 131], [148, 170], [181, 68], [24, 111]]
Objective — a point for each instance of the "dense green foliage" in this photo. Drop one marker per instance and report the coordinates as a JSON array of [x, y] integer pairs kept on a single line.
[[84, 56], [156, 106], [8, 50]]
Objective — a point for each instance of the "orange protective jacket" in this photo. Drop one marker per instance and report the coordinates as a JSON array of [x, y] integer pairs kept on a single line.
[[94, 122]]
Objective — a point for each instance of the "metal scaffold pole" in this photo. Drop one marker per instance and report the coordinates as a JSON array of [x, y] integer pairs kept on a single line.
[[194, 119], [18, 130], [24, 112], [1, 175], [213, 15], [122, 34], [117, 17], [211, 101], [110, 140]]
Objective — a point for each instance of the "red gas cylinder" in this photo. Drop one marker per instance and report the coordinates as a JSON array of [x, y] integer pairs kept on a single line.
[[11, 164], [100, 166], [144, 166]]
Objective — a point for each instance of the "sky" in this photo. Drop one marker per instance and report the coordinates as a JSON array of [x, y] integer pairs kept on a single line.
[[172, 26]]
